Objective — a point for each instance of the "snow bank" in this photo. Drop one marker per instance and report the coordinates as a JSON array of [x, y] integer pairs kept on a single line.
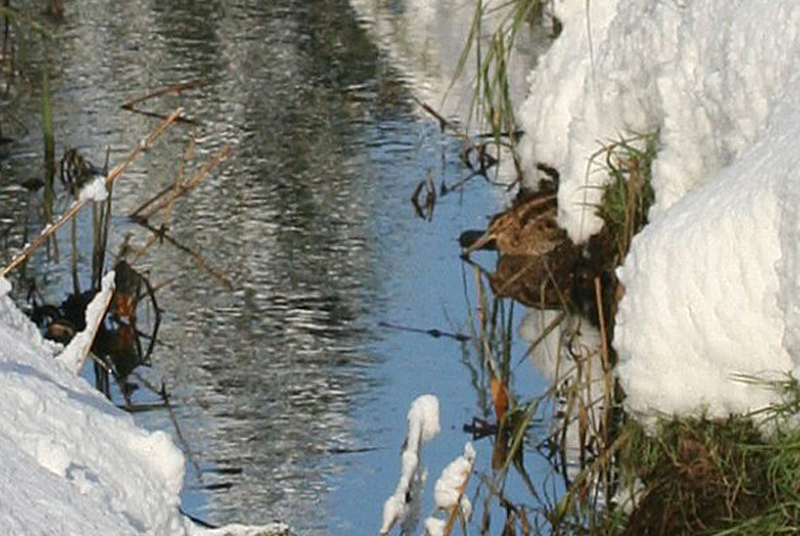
[[702, 296], [706, 74], [712, 283], [72, 462]]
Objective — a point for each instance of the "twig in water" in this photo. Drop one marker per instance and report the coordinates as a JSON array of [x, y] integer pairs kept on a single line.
[[168, 196], [161, 233], [462, 182], [425, 211], [157, 115], [174, 88], [443, 123], [460, 337]]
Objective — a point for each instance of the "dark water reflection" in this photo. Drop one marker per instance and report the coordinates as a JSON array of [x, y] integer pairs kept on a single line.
[[284, 382]]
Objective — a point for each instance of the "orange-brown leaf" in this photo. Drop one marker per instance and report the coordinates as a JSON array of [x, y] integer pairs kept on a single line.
[[499, 397]]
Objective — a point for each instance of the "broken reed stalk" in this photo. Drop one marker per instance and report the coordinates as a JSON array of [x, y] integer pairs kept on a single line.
[[103, 222], [181, 188], [604, 353], [607, 430], [165, 200], [6, 29], [199, 261], [73, 241], [188, 154], [175, 88], [76, 206], [481, 309], [49, 153], [443, 123]]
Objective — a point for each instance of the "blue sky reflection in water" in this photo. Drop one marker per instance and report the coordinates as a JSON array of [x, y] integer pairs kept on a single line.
[[280, 384]]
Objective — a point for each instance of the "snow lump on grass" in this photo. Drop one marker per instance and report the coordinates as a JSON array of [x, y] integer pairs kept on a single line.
[[713, 284]]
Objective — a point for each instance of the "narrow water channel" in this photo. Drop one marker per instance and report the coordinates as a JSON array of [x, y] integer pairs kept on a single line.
[[291, 394]]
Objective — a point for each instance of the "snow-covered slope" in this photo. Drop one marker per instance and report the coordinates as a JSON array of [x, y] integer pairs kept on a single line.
[[72, 463], [712, 283]]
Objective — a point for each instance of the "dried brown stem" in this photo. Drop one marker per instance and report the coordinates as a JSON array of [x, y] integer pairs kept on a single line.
[[199, 261], [443, 123], [157, 115], [167, 197], [174, 88], [76, 206]]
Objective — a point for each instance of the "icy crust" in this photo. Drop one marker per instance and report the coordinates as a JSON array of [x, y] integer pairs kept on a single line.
[[705, 74]]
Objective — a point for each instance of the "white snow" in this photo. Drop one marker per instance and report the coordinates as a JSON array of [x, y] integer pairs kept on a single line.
[[423, 420], [712, 283], [448, 490], [403, 506], [72, 462], [434, 526], [95, 190], [76, 351], [705, 73], [702, 298]]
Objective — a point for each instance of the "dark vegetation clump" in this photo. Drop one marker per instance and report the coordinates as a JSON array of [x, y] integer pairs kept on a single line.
[[701, 476]]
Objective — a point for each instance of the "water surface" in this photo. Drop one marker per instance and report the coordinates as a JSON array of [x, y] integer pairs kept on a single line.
[[291, 395]]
